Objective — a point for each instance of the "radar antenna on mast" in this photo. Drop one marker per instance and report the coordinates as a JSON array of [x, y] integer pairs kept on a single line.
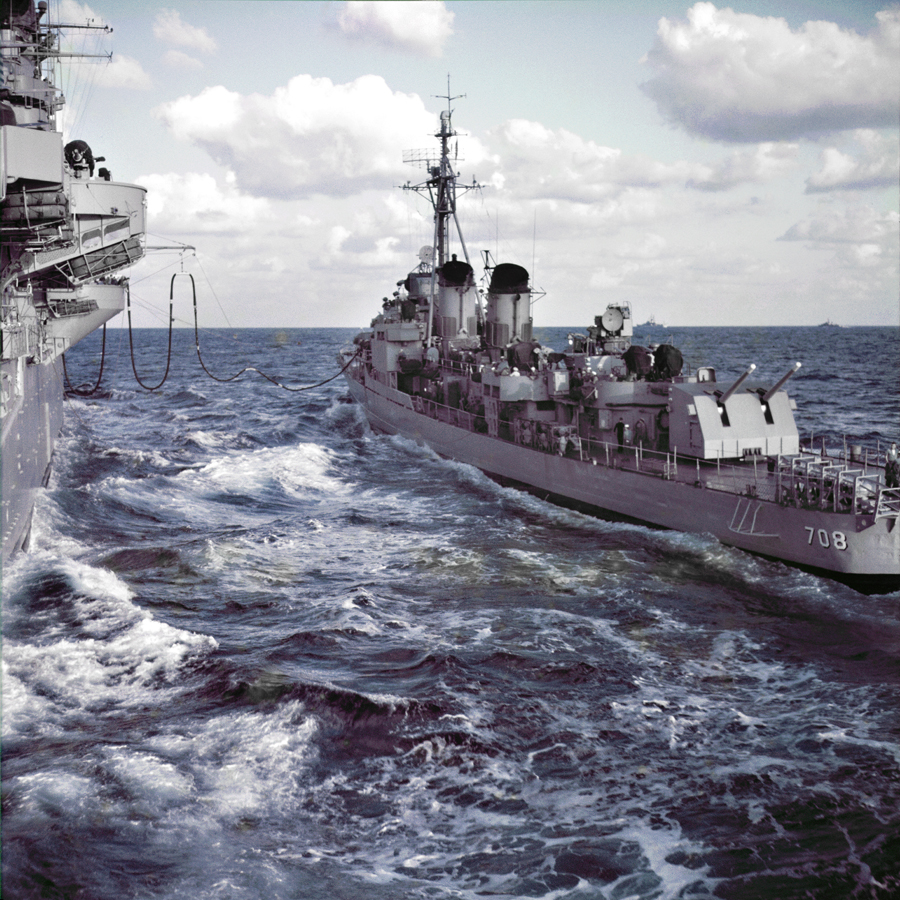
[[446, 114]]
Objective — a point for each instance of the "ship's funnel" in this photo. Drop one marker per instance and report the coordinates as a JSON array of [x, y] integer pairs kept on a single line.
[[457, 300], [507, 278], [508, 305], [772, 391], [455, 272], [737, 384]]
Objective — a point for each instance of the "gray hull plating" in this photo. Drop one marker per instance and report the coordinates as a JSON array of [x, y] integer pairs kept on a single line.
[[30, 427], [853, 548]]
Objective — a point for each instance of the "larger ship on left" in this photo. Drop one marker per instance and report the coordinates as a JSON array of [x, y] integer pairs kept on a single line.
[[65, 231]]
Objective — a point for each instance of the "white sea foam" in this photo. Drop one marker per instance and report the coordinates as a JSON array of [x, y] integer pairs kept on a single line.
[[117, 670], [50, 538], [148, 778], [55, 793], [583, 688], [657, 845], [254, 761], [297, 470], [844, 737], [138, 455], [23, 710], [208, 440], [106, 652]]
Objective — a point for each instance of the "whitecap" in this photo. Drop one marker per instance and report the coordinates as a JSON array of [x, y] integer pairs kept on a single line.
[[296, 470], [55, 793], [208, 440], [148, 778], [106, 651], [247, 762]]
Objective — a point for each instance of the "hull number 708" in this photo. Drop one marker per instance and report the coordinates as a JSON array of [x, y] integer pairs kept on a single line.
[[838, 538]]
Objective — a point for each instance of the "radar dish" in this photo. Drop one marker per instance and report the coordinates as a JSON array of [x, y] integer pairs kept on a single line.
[[426, 254], [612, 319]]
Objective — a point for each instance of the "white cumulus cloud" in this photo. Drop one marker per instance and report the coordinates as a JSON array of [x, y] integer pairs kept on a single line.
[[536, 161], [744, 78], [170, 28], [309, 137], [123, 72], [423, 26], [196, 203], [175, 59], [118, 72], [75, 13], [861, 225], [539, 162], [763, 163], [876, 165]]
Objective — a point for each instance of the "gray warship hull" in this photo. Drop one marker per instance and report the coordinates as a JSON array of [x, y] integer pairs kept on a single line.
[[861, 549]]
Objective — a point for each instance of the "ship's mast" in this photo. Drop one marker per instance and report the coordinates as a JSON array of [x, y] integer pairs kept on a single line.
[[441, 186], [445, 204], [30, 47]]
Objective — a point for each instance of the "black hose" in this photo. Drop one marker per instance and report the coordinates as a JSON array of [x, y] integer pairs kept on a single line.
[[137, 377], [307, 387], [78, 392], [81, 392]]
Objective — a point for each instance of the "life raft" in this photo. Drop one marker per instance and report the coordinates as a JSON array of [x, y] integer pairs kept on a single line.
[[34, 207]]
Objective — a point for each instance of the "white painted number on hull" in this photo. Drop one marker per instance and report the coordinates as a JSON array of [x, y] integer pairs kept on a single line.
[[838, 538]]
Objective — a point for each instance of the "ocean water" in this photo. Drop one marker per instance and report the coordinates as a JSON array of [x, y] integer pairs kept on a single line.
[[257, 651]]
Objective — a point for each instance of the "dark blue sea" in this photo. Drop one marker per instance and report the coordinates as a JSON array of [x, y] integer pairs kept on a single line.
[[257, 651]]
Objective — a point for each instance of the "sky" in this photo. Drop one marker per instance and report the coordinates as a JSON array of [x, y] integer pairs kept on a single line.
[[709, 164]]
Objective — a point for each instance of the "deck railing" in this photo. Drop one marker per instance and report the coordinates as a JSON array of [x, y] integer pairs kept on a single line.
[[806, 479]]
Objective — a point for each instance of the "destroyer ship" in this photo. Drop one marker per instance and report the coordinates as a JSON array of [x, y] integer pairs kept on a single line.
[[66, 229], [607, 426]]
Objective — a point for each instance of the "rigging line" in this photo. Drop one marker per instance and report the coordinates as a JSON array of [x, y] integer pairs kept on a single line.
[[173, 244], [118, 356], [492, 232], [157, 313], [154, 272], [79, 86], [203, 366], [218, 302], [80, 392], [137, 377], [84, 98]]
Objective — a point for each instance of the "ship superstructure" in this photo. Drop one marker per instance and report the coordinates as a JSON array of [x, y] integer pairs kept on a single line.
[[66, 231]]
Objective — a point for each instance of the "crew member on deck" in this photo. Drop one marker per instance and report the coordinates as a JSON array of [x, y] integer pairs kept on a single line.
[[892, 467]]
